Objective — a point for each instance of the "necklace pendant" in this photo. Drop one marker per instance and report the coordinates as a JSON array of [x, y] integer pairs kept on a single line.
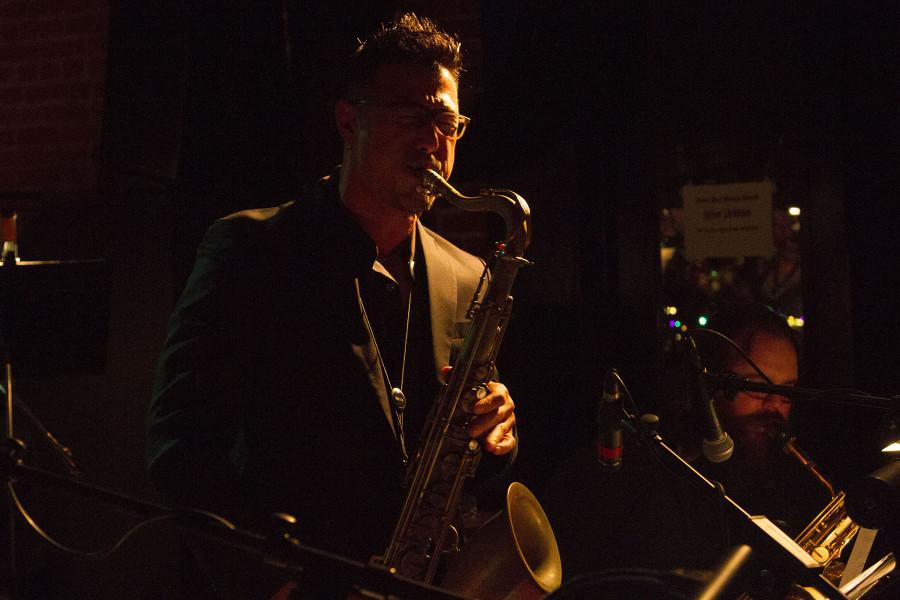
[[399, 399]]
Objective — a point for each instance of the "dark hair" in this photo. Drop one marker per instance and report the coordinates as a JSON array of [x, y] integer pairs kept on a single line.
[[411, 40], [742, 323]]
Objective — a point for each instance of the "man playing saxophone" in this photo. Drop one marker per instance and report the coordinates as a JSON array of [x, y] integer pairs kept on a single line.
[[658, 518], [759, 474], [303, 355]]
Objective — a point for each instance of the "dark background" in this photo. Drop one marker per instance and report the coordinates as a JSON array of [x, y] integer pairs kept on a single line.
[[596, 112]]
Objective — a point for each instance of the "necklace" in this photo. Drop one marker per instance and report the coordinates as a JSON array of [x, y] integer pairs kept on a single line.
[[396, 397]]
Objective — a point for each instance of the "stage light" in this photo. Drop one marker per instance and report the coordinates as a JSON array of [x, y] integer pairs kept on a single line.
[[795, 322]]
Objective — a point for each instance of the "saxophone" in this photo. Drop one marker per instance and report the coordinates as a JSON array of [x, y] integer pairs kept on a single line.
[[832, 529], [826, 535], [447, 456]]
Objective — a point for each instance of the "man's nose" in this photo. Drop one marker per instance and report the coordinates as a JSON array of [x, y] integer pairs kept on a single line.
[[777, 404], [429, 138]]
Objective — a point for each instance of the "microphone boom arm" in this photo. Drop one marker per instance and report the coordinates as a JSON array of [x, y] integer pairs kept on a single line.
[[836, 396]]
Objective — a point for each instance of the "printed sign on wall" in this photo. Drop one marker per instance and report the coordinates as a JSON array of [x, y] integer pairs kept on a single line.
[[730, 220]]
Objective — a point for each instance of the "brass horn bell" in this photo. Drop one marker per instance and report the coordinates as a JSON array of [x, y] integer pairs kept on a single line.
[[512, 557]]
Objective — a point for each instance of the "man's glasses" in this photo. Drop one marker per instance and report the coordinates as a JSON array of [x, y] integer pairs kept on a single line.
[[760, 395], [450, 124]]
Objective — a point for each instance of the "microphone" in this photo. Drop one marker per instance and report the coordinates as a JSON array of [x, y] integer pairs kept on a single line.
[[10, 251], [609, 424], [717, 445]]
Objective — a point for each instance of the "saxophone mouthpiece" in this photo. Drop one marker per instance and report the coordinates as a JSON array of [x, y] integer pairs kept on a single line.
[[784, 437], [429, 179]]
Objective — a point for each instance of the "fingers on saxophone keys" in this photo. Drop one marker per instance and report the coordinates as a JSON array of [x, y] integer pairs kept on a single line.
[[496, 397], [501, 440], [484, 423]]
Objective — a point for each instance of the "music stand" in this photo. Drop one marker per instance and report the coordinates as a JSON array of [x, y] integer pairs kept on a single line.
[[54, 320]]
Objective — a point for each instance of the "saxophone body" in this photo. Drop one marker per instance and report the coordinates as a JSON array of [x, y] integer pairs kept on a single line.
[[447, 457], [832, 529], [827, 534]]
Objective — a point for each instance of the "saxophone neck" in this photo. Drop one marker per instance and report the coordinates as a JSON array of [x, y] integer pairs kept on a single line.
[[790, 447], [511, 207]]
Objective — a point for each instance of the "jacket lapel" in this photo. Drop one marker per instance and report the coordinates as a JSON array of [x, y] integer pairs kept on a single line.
[[442, 293]]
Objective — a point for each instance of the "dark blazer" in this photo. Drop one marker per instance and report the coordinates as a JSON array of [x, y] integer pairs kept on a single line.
[[268, 395]]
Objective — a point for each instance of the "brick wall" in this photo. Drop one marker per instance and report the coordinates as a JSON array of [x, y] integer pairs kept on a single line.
[[52, 68]]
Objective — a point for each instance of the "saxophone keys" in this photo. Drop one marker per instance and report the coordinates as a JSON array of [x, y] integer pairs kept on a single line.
[[820, 554], [476, 393]]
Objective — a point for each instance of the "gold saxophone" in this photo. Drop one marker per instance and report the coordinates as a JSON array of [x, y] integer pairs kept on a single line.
[[447, 456], [826, 535], [832, 529]]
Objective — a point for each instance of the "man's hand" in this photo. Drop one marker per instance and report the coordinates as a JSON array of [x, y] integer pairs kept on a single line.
[[495, 419]]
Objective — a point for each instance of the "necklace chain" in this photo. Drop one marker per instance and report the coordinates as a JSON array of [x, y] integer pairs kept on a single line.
[[396, 397]]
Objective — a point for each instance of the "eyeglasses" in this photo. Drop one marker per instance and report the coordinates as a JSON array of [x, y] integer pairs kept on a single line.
[[449, 124], [761, 395]]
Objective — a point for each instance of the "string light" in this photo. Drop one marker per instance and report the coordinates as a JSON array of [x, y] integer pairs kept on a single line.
[[702, 321], [794, 211]]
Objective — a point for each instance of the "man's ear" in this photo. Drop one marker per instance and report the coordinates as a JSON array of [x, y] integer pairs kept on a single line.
[[345, 116]]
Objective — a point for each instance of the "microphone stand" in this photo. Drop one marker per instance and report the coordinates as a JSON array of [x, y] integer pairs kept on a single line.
[[39, 300], [10, 445]]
